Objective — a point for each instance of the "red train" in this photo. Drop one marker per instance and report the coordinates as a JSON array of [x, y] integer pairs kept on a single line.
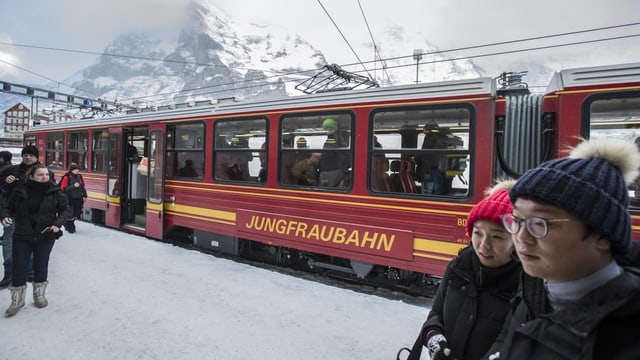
[[384, 177]]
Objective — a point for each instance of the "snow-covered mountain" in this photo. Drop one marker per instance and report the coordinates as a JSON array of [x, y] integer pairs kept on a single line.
[[213, 57], [210, 59]]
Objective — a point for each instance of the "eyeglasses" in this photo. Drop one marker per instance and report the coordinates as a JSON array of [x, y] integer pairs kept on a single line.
[[536, 226]]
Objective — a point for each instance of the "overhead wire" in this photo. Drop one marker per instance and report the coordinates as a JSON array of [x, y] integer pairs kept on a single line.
[[286, 74], [507, 42], [375, 45], [518, 50], [458, 58], [448, 60], [344, 38]]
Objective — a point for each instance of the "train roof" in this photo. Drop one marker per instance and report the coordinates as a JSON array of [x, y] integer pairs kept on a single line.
[[597, 75], [455, 88]]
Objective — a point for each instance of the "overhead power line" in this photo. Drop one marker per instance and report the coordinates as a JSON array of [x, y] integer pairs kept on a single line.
[[344, 38], [375, 45], [281, 74]]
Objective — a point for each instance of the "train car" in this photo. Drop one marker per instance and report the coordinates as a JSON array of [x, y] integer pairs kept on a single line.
[[384, 178]]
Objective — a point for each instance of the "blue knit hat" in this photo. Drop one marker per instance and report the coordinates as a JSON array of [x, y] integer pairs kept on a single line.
[[590, 184]]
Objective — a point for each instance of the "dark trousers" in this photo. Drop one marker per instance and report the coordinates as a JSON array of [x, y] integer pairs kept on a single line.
[[76, 207], [76, 210], [22, 252]]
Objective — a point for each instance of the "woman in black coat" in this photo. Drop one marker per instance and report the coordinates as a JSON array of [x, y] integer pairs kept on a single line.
[[39, 209], [472, 300]]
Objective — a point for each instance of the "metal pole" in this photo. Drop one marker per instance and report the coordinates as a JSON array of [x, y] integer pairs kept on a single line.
[[417, 56]]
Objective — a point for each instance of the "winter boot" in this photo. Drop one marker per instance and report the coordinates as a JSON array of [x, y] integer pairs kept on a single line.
[[70, 226], [5, 282], [17, 300], [38, 294]]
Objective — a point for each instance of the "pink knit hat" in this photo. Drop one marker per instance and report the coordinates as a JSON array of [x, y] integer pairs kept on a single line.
[[495, 204]]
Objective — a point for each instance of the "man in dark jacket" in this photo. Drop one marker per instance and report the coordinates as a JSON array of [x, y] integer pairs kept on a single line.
[[571, 228]]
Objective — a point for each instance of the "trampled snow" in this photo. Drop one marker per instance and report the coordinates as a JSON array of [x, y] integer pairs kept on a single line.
[[119, 296]]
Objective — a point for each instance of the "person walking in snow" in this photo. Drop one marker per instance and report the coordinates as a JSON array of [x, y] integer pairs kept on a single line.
[[72, 184], [39, 209], [473, 297], [10, 178]]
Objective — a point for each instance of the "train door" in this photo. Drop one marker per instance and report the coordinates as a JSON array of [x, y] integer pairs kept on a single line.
[[155, 183], [114, 178], [134, 178]]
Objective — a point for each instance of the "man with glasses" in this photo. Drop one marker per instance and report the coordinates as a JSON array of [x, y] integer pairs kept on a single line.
[[580, 294]]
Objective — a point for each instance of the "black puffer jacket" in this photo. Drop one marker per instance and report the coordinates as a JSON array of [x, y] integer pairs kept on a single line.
[[602, 325], [54, 210], [472, 303]]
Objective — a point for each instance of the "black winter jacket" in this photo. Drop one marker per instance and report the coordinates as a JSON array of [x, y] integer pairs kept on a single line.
[[66, 184], [471, 304], [54, 210], [602, 325]]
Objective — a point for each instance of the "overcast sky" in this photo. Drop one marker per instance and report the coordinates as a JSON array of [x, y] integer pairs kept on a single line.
[[91, 25]]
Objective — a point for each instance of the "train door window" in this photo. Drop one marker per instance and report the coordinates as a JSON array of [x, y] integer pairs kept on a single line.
[[420, 151], [99, 156], [156, 158], [185, 151], [240, 150], [316, 150], [77, 149], [55, 151], [617, 115], [114, 156]]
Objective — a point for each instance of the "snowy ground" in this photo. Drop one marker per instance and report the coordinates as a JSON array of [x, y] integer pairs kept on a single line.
[[118, 296]]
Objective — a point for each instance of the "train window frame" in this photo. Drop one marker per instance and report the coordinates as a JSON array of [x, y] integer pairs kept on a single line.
[[451, 125], [294, 128], [54, 151], [29, 140], [179, 152], [624, 124], [76, 149], [99, 154], [240, 150]]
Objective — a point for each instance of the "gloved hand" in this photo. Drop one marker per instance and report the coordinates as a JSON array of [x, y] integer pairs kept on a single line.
[[437, 346]]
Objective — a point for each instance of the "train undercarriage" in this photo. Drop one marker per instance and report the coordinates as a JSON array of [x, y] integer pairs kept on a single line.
[[346, 270]]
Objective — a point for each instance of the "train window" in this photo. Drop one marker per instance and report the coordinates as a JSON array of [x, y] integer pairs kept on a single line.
[[617, 115], [55, 150], [422, 152], [185, 151], [316, 150], [29, 140], [239, 151], [99, 156], [77, 149]]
